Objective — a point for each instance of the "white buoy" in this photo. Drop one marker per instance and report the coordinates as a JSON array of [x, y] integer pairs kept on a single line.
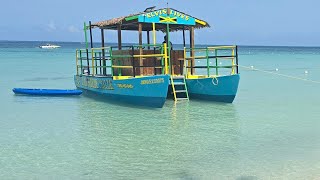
[[220, 63], [277, 69], [306, 72], [251, 67]]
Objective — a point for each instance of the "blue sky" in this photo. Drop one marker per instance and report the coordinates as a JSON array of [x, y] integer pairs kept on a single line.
[[242, 22]]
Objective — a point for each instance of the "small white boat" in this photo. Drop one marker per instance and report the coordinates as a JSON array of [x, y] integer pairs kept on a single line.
[[49, 46]]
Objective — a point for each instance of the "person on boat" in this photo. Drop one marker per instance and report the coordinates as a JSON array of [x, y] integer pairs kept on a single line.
[[165, 41]]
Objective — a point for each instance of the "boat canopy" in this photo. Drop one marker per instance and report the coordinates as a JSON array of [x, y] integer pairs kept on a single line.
[[178, 21]]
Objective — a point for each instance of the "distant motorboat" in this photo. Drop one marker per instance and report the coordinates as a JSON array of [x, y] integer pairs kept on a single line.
[[49, 46]]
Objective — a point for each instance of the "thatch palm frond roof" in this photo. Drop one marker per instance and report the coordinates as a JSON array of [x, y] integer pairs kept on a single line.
[[127, 23]]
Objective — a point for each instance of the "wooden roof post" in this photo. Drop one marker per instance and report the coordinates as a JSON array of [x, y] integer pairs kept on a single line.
[[119, 37], [90, 28], [192, 46], [140, 34], [102, 37], [103, 53], [140, 49], [148, 38], [184, 37]]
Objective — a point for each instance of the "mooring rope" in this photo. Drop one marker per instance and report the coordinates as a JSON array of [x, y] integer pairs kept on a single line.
[[279, 74]]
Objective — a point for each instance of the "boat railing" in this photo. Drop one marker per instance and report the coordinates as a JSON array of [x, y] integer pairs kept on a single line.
[[210, 61], [83, 59], [123, 62]]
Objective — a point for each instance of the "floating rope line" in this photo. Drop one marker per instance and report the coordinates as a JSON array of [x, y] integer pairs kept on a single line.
[[284, 75]]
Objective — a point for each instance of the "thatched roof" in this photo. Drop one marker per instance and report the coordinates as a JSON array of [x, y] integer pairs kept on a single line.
[[132, 24]]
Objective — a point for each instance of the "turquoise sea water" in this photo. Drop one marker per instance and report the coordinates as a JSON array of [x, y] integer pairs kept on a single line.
[[271, 131]]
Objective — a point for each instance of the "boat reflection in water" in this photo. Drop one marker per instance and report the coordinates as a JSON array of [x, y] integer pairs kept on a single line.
[[169, 143]]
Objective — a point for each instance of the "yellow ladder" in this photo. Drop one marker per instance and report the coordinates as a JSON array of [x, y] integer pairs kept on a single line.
[[179, 87]]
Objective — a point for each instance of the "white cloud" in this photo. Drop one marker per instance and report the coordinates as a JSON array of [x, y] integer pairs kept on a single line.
[[51, 26], [73, 29]]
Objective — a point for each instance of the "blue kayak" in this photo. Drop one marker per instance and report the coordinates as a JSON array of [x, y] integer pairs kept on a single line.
[[47, 92]]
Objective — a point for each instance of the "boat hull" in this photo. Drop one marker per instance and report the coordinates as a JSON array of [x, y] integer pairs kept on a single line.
[[148, 91], [220, 89]]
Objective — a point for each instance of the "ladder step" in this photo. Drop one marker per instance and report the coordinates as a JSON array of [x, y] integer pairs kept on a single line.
[[178, 77], [179, 83], [180, 91], [182, 98]]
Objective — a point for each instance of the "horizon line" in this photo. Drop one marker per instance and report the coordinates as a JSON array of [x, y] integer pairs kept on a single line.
[[309, 46]]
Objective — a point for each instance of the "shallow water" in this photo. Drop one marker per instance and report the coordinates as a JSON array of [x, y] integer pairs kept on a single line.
[[271, 131]]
